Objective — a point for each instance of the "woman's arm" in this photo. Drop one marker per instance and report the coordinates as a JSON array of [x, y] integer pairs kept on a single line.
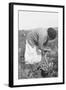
[[33, 38]]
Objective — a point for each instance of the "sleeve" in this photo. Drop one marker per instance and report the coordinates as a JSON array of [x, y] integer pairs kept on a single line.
[[33, 38]]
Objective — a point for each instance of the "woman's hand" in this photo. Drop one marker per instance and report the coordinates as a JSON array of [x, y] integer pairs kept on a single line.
[[38, 51]]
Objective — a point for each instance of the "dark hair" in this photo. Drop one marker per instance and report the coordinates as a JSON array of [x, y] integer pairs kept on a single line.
[[51, 33]]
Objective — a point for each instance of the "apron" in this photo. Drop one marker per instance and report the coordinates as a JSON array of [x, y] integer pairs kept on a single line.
[[31, 56]]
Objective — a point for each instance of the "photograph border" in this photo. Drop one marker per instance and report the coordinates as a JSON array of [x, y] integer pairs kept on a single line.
[[11, 41]]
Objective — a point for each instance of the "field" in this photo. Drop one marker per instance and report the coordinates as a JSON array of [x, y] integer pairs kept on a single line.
[[38, 70]]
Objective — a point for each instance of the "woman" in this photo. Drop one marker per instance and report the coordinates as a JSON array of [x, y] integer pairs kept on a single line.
[[35, 42]]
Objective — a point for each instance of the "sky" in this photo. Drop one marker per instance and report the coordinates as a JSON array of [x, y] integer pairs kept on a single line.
[[29, 20]]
